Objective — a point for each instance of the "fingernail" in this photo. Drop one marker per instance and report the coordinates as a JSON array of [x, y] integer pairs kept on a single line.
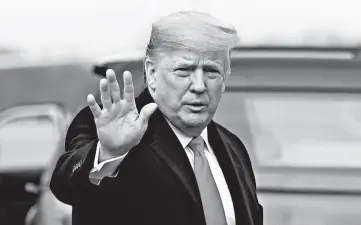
[[109, 71]]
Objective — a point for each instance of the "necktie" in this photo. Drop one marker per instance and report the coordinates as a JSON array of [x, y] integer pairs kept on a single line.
[[211, 200]]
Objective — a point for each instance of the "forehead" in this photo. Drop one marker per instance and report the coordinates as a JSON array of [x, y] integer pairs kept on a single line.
[[191, 57]]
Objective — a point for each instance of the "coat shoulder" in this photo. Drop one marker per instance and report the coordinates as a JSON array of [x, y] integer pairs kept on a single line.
[[83, 123], [232, 141], [227, 135]]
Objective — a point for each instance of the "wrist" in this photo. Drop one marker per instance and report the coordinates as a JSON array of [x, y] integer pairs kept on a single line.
[[106, 154]]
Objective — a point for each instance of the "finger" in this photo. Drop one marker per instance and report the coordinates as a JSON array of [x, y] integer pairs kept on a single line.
[[105, 94], [93, 105], [128, 87], [146, 112], [113, 86]]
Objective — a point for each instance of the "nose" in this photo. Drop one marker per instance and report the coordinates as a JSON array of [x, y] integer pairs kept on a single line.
[[197, 80]]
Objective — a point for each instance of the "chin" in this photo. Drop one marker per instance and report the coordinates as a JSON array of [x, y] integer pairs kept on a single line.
[[196, 119]]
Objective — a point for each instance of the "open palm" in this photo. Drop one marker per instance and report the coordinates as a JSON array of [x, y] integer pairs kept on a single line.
[[119, 125]]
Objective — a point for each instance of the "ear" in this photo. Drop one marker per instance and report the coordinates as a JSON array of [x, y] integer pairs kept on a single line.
[[149, 67]]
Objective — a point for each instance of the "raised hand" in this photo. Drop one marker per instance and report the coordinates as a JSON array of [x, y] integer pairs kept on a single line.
[[119, 125]]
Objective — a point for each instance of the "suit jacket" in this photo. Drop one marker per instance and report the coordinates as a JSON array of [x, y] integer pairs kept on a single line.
[[155, 183]]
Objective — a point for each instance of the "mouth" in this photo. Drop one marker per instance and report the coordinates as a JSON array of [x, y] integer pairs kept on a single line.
[[196, 107]]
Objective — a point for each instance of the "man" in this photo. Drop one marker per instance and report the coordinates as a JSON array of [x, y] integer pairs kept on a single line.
[[169, 163]]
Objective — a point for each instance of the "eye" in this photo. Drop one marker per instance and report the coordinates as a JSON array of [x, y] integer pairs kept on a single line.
[[211, 70], [212, 73], [183, 69]]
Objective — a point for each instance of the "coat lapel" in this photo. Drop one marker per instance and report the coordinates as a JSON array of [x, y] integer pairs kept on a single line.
[[233, 173], [161, 138], [168, 147]]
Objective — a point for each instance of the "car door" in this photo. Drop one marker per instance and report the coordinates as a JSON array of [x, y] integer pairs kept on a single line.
[[29, 135]]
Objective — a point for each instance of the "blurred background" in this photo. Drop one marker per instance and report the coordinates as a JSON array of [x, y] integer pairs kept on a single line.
[[294, 97]]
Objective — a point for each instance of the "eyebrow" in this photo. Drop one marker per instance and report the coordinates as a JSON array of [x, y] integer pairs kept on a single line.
[[184, 63], [212, 64], [191, 63]]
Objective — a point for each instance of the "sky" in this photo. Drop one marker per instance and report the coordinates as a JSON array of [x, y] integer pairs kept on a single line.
[[90, 27]]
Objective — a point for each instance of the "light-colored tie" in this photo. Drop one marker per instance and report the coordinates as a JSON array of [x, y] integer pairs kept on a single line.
[[211, 200]]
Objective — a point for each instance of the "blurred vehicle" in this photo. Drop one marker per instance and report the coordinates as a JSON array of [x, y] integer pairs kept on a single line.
[[298, 111], [35, 109], [48, 209], [29, 136]]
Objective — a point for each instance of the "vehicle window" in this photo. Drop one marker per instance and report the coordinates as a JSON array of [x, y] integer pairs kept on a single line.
[[296, 129], [27, 143]]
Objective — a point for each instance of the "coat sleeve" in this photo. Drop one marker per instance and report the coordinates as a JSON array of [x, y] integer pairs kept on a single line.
[[70, 179]]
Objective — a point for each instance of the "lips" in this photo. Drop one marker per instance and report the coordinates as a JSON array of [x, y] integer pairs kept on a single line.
[[196, 106], [197, 103]]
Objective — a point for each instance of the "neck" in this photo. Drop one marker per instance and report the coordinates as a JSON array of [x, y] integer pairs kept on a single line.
[[186, 130], [192, 131]]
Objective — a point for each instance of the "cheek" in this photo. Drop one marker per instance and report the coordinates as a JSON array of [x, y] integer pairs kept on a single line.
[[167, 80], [215, 90], [171, 88]]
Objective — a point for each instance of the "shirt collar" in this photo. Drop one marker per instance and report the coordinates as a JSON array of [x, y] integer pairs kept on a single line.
[[184, 139]]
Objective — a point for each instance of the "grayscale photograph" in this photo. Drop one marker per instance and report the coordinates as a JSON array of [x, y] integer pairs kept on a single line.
[[187, 112]]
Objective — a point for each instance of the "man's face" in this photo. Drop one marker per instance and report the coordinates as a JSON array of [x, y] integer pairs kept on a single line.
[[188, 86]]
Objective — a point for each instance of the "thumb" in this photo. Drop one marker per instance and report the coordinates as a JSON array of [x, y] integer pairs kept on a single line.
[[146, 112]]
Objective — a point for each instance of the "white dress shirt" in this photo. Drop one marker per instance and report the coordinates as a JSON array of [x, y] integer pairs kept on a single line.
[[108, 167]]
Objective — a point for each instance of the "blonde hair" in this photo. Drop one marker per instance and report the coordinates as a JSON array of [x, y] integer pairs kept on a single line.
[[191, 30]]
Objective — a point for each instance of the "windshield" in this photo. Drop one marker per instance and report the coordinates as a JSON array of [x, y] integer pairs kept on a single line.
[[27, 143], [297, 129]]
